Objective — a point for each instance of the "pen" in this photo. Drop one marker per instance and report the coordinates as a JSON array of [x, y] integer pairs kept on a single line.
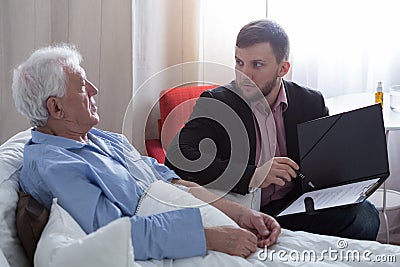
[[303, 177]]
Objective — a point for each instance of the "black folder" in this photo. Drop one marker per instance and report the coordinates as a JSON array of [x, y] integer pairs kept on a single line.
[[342, 152]]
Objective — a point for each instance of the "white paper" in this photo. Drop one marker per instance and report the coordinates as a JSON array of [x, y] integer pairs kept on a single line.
[[331, 197]]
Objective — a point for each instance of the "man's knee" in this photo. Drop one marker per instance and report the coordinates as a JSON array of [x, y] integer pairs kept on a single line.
[[366, 221]]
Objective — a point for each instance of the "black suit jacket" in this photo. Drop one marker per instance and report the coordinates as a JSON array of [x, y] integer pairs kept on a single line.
[[222, 116]]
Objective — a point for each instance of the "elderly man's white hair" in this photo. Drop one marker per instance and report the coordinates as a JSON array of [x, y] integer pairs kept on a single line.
[[41, 76]]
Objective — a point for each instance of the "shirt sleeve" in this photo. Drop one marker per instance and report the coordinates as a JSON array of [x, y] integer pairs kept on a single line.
[[173, 234]]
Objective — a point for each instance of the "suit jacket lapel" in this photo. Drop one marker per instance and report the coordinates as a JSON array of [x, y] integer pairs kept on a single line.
[[290, 120], [242, 108]]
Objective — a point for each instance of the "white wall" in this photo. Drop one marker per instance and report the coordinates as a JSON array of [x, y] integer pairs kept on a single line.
[[172, 32], [102, 31], [165, 34]]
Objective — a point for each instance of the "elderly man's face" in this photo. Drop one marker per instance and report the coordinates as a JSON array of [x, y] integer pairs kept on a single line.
[[78, 103]]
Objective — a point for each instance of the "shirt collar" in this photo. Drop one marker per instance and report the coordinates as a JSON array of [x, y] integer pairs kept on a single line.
[[281, 99], [67, 143]]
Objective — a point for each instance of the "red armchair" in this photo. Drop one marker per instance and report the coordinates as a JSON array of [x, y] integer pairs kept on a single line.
[[176, 105]]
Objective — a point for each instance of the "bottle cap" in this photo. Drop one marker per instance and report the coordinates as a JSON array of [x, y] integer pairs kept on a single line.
[[379, 87]]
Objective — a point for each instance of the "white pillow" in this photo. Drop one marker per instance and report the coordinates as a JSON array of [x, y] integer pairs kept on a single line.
[[11, 154], [11, 158], [162, 197], [64, 243]]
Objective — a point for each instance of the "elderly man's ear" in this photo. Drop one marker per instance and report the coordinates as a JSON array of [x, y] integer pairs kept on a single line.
[[54, 107]]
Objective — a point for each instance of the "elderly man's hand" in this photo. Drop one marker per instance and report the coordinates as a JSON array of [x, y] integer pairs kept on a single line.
[[231, 240], [265, 227]]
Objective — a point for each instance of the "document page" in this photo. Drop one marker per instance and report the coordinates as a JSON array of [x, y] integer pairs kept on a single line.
[[331, 197]]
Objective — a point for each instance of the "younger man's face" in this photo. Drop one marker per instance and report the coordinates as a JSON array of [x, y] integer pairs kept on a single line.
[[257, 70]]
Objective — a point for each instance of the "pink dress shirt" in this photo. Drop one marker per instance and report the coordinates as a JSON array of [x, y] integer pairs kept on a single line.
[[272, 129]]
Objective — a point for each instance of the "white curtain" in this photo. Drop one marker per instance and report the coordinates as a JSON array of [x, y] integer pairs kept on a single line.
[[170, 34], [341, 46], [346, 46], [101, 30]]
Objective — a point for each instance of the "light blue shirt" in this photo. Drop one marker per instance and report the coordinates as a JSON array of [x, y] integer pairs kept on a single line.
[[103, 180]]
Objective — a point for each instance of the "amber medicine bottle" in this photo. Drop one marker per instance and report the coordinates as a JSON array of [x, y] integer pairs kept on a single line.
[[379, 94]]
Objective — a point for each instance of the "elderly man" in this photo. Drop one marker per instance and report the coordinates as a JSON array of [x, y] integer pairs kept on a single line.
[[98, 176]]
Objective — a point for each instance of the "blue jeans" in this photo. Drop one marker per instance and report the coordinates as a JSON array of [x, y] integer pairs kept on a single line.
[[357, 221]]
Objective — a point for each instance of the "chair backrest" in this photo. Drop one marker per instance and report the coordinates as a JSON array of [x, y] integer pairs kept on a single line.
[[176, 105]]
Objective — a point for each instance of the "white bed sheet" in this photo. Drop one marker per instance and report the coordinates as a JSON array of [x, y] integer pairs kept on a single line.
[[63, 236], [291, 249], [290, 244]]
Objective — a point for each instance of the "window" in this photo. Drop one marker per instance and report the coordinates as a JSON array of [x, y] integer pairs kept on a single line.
[[341, 46]]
